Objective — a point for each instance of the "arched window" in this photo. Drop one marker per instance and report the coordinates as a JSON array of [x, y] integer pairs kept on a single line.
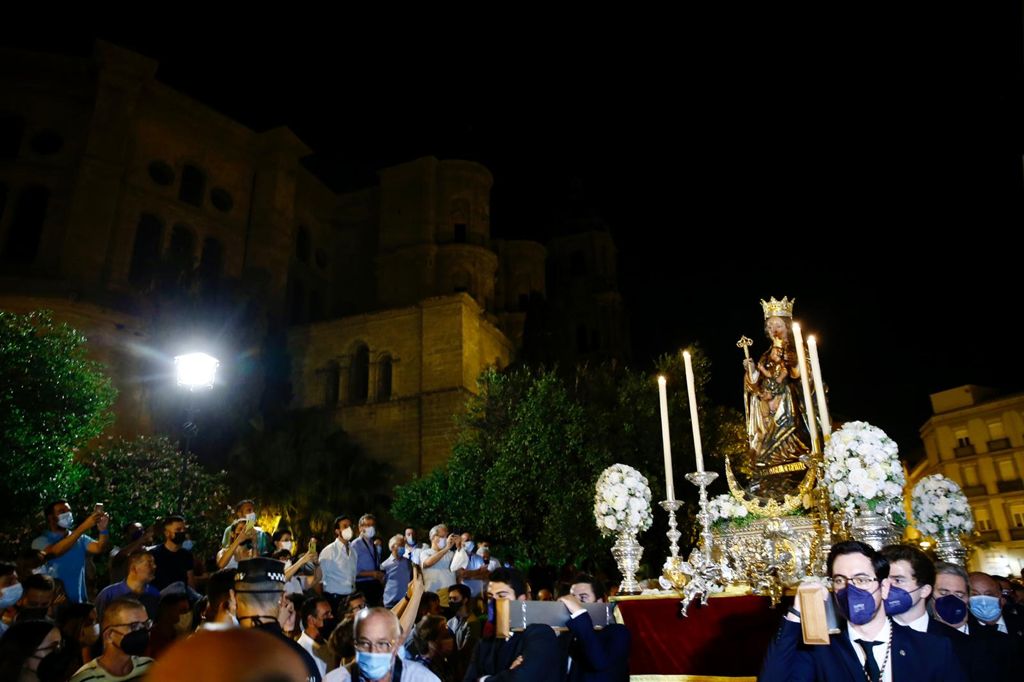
[[146, 250], [26, 229], [384, 369], [193, 185], [359, 375], [182, 250]]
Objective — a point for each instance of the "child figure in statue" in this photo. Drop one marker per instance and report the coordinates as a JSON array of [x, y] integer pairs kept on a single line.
[[776, 430]]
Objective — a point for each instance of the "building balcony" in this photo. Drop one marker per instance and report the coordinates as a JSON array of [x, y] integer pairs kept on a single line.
[[1010, 486], [1017, 533], [964, 451], [999, 444], [990, 536], [975, 490]]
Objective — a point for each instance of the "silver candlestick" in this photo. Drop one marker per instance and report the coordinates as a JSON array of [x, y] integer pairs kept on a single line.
[[705, 575], [672, 506]]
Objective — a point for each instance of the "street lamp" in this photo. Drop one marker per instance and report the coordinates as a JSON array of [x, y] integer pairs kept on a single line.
[[195, 371]]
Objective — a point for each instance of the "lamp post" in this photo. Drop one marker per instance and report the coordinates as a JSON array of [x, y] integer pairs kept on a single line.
[[196, 371]]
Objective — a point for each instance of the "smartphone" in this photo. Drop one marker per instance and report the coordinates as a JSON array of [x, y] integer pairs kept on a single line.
[[97, 508], [312, 545], [249, 525]]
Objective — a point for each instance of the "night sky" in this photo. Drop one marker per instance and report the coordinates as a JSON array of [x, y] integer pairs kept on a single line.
[[869, 165]]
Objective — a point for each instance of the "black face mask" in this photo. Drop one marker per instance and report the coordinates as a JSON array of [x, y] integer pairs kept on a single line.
[[135, 643], [328, 628], [178, 538], [450, 610], [32, 614]]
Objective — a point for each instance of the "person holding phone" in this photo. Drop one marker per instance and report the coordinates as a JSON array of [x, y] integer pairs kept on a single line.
[[66, 545]]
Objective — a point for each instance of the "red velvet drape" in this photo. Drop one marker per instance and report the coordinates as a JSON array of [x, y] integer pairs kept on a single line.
[[728, 637]]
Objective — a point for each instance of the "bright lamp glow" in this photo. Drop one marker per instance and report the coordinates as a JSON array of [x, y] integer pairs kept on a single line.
[[196, 370]]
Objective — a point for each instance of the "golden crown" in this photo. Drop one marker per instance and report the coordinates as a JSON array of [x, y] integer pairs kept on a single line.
[[773, 308]]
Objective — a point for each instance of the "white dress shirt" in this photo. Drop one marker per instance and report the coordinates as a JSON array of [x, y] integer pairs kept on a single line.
[[919, 624], [338, 564], [307, 642]]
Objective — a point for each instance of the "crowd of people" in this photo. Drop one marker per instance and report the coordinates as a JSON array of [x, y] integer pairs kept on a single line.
[[158, 611], [906, 618]]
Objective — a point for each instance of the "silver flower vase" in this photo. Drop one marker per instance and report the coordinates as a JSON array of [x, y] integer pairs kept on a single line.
[[627, 552], [949, 548], [873, 528]]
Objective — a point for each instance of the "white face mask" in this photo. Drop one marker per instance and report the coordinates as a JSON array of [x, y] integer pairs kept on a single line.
[[251, 516], [10, 595], [66, 520], [370, 532], [287, 544], [442, 543], [346, 534], [409, 540]]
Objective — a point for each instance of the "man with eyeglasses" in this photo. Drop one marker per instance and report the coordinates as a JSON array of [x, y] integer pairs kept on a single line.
[[125, 634], [378, 637], [871, 646], [259, 594]]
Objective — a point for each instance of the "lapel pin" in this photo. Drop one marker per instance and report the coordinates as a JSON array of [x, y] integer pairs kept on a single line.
[[902, 652]]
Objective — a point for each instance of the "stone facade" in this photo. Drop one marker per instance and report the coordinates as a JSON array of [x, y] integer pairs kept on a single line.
[[398, 290]]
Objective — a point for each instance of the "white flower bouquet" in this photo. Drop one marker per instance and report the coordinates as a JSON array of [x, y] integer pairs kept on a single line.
[[939, 506], [863, 471], [622, 502], [725, 508]]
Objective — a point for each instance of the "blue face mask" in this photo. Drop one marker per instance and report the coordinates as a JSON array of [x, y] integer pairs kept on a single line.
[[10, 595], [856, 605], [899, 601], [469, 546], [187, 545], [951, 609], [373, 666], [985, 608]]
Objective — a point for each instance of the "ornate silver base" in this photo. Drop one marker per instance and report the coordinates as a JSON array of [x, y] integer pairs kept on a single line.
[[950, 549], [627, 552], [873, 529]]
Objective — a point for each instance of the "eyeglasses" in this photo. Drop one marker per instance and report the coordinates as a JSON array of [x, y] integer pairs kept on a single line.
[[379, 647], [862, 581], [134, 626]]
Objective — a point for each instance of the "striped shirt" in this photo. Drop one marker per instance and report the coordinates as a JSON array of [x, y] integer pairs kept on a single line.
[[92, 672]]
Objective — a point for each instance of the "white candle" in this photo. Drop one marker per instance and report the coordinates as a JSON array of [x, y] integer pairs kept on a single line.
[[812, 427], [819, 387], [666, 443], [694, 422]]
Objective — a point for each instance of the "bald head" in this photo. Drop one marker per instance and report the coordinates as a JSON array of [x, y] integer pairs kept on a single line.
[[377, 624], [983, 583], [215, 656]]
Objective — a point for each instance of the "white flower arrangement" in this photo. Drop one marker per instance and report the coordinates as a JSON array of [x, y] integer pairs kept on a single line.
[[725, 507], [622, 502], [939, 506], [863, 471]]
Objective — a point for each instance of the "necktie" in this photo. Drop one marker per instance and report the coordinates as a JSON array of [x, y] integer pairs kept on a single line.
[[870, 664]]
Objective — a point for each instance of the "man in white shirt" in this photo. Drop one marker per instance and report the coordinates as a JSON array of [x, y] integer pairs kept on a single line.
[[338, 563], [316, 626], [437, 560]]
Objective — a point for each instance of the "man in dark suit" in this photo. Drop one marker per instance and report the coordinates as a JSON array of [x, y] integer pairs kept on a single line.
[[987, 613], [871, 646], [912, 580], [594, 655], [532, 655]]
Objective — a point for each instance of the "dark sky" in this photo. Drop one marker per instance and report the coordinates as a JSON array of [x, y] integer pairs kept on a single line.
[[868, 164]]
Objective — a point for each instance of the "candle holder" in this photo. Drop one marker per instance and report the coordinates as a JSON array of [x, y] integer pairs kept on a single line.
[[705, 576], [672, 576]]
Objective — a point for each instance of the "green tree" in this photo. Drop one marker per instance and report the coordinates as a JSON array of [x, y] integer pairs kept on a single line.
[[52, 401], [306, 470], [140, 480], [532, 444]]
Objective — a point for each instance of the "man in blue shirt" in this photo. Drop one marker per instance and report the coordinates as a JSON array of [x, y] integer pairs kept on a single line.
[[369, 577], [65, 548], [474, 574], [141, 571]]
